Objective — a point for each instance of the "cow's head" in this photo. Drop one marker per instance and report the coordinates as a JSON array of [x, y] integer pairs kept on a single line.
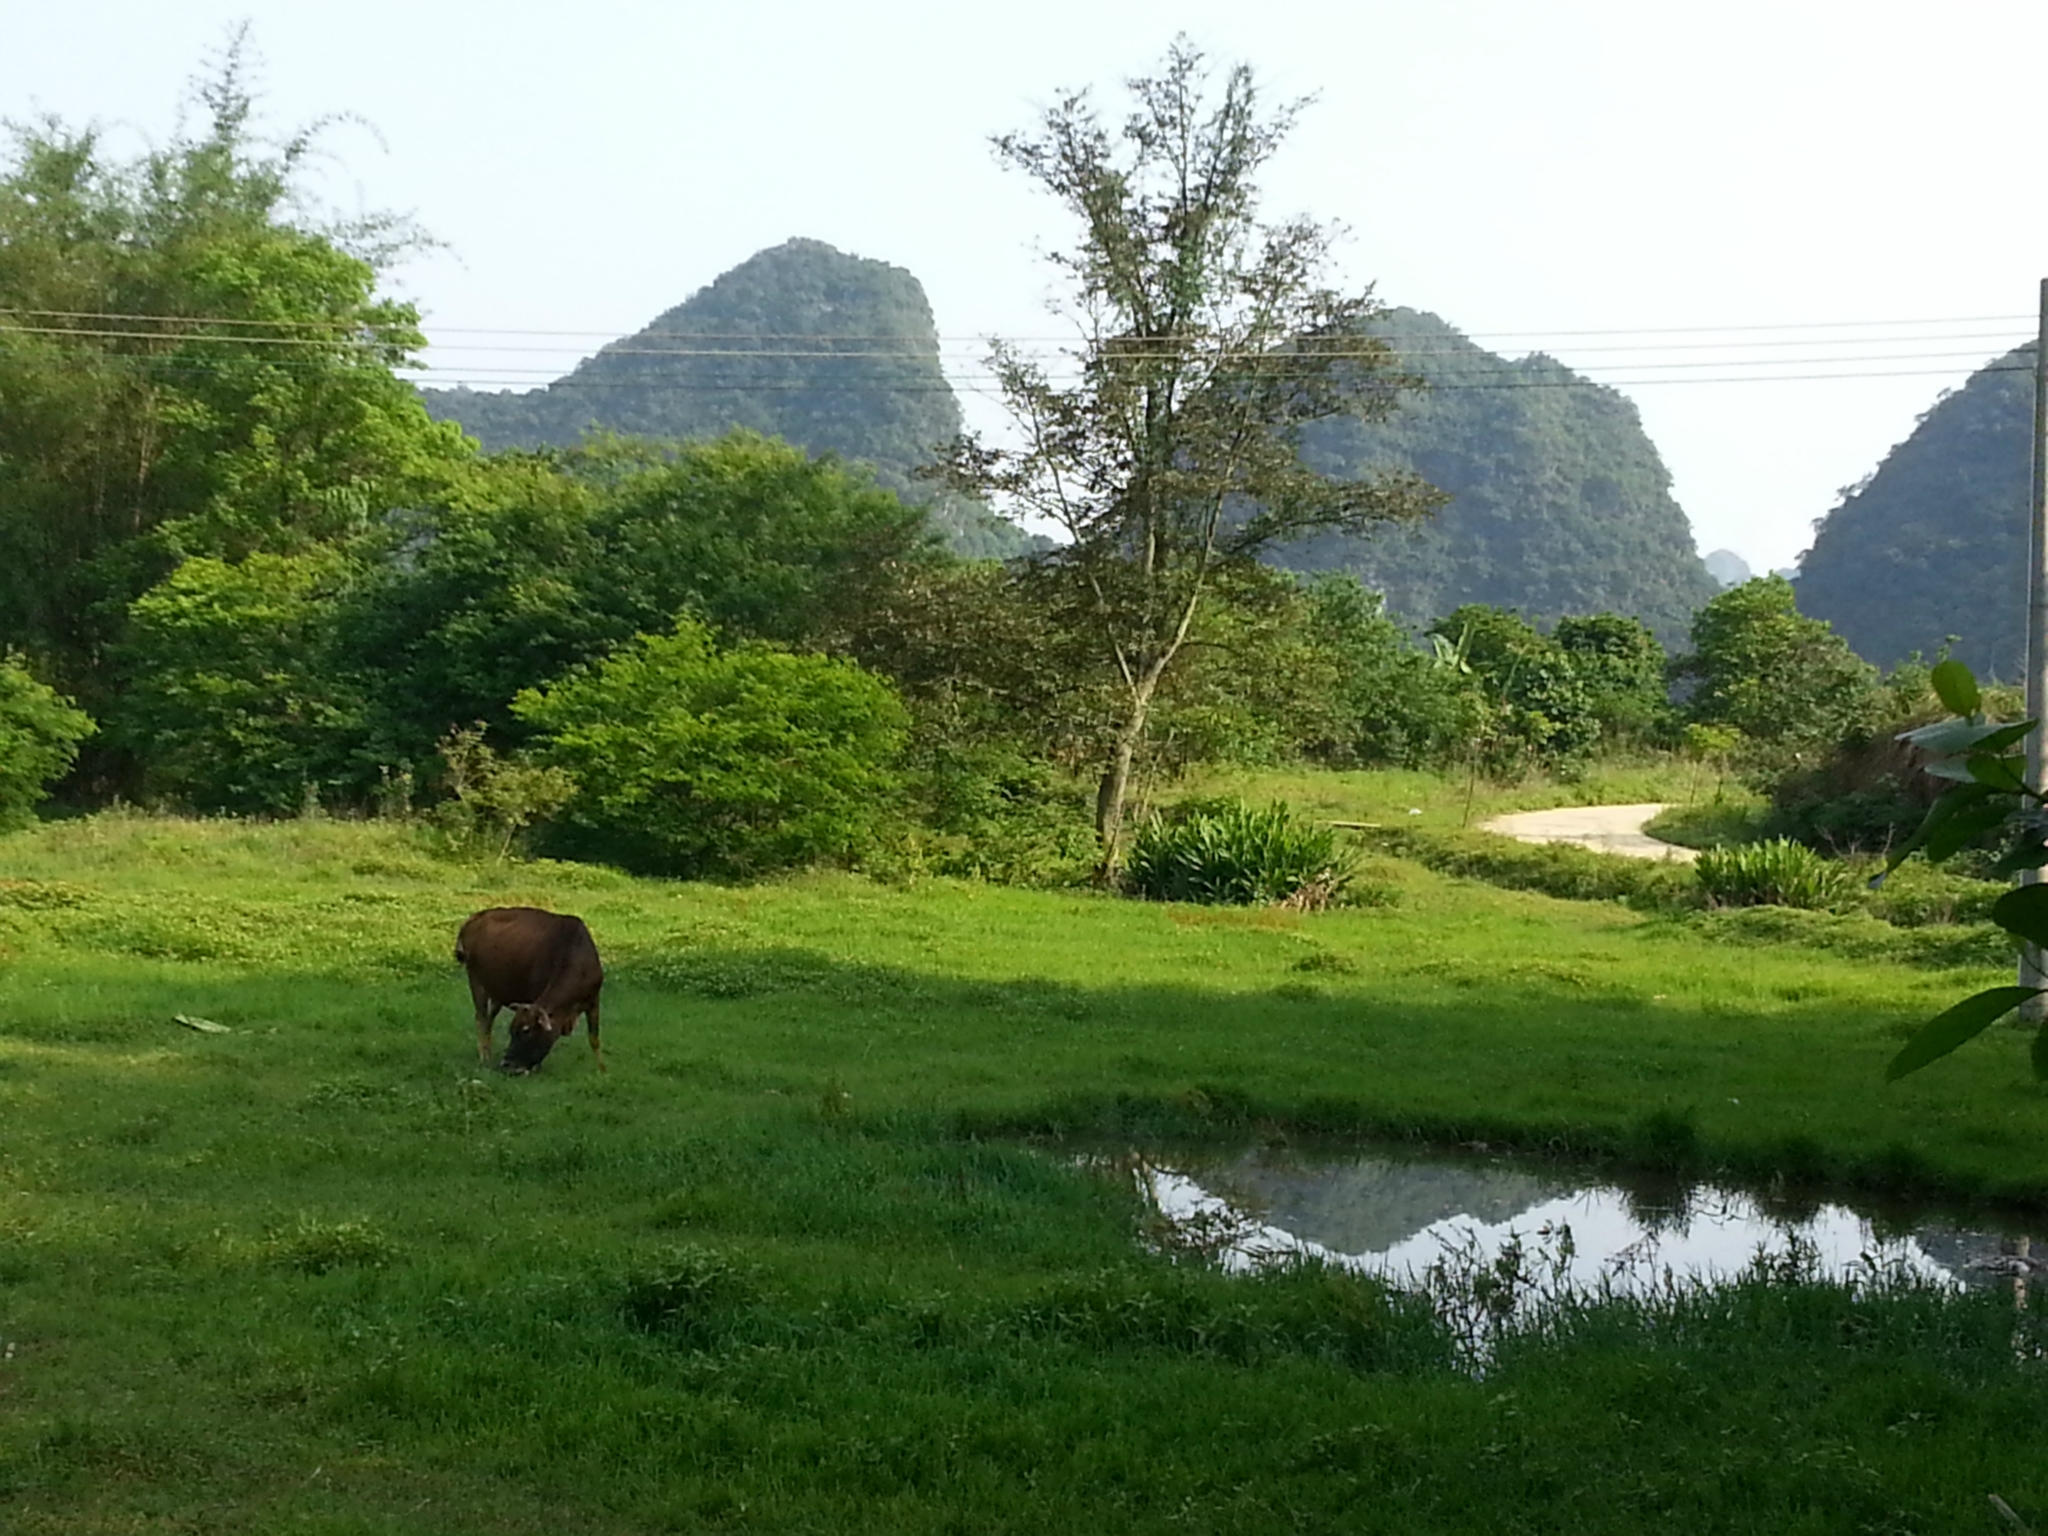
[[532, 1036]]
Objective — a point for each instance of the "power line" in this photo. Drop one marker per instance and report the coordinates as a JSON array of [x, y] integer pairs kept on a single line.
[[977, 339], [967, 383], [1139, 351]]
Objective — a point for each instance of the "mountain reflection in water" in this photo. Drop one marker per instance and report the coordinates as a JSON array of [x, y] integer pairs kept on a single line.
[[1395, 1216]]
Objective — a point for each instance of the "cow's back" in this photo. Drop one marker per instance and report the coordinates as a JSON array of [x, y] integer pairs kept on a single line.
[[525, 955]]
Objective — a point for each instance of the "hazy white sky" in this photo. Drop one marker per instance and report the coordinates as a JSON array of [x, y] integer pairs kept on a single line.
[[1537, 173]]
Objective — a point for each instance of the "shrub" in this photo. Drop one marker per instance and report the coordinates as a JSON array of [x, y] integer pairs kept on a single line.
[[496, 797], [1622, 667], [694, 761], [1228, 853], [1778, 873], [39, 736], [1870, 793], [989, 811]]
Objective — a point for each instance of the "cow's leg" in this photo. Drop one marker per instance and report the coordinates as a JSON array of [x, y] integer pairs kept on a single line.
[[486, 1016], [590, 1015]]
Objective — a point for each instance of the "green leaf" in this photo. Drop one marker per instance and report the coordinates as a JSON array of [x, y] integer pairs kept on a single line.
[[1943, 1033], [2001, 773], [1938, 815], [2028, 853], [1963, 829], [2023, 912], [1954, 738], [1955, 769], [1955, 687]]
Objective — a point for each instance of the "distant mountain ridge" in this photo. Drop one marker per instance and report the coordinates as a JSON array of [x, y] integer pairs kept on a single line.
[[1559, 504], [1934, 543], [835, 353]]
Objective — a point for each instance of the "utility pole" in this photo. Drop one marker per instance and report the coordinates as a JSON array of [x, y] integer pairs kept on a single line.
[[2033, 971]]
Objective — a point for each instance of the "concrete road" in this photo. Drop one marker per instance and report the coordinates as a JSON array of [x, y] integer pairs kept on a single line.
[[1606, 828]]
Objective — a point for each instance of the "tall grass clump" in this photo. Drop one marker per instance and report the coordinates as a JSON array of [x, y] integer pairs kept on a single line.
[[1778, 873], [1228, 853]]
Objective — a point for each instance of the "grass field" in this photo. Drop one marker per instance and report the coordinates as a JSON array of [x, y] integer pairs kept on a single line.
[[810, 1257]]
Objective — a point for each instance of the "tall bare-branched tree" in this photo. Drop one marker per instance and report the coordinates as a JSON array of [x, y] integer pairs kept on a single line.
[[1164, 440]]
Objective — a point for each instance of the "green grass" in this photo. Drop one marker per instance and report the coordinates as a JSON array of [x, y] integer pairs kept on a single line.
[[1731, 817], [790, 1265]]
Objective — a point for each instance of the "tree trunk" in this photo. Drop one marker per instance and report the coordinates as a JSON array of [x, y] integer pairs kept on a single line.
[[1115, 786]]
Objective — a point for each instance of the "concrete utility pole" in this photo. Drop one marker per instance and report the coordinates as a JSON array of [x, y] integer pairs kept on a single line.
[[2033, 972]]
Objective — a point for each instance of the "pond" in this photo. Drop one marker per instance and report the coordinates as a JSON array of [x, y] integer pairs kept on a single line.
[[1400, 1216]]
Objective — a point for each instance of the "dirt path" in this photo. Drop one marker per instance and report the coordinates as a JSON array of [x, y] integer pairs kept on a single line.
[[1605, 828]]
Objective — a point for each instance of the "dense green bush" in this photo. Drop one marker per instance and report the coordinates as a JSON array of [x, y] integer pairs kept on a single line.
[[235, 700], [534, 563], [986, 810], [1225, 852], [696, 761], [1923, 895], [1387, 703], [1778, 873], [1622, 667], [1539, 711], [1788, 683], [39, 736]]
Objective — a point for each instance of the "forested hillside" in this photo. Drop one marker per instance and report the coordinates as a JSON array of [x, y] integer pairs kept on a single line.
[[1934, 543], [1559, 502], [835, 353]]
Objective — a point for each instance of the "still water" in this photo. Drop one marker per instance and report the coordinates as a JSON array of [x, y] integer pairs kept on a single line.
[[1396, 1216]]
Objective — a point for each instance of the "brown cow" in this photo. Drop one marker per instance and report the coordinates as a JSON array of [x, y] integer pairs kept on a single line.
[[541, 965]]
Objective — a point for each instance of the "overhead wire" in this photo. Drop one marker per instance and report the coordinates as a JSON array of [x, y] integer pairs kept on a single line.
[[1649, 330], [1735, 359]]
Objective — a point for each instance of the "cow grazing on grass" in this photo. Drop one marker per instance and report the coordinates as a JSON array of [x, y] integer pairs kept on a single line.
[[541, 965]]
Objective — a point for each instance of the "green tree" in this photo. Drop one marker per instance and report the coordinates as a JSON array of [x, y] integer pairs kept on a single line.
[[1389, 704], [474, 597], [1787, 682], [1541, 711], [534, 563], [1166, 442], [40, 731], [691, 760], [747, 532], [237, 701], [1625, 673], [187, 367]]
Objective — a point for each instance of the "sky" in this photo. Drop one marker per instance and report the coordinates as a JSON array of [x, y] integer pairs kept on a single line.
[[1782, 229]]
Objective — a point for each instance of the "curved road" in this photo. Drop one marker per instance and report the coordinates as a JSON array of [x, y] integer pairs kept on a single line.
[[1604, 828]]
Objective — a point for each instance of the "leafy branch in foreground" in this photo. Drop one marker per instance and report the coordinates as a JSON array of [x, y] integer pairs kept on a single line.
[[1989, 794]]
